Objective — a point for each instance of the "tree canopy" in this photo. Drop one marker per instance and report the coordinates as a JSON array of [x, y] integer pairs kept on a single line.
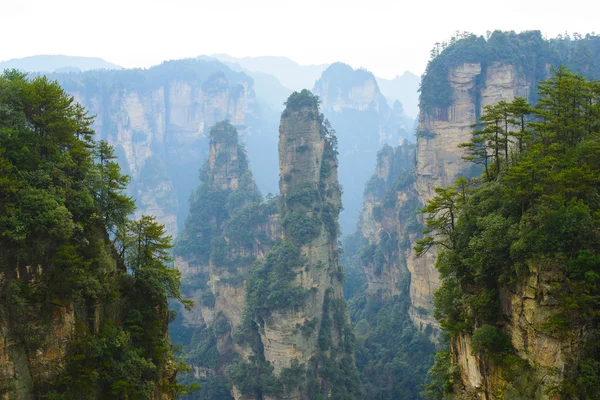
[[63, 208]]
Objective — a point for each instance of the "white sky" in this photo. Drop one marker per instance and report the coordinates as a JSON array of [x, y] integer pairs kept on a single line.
[[384, 36]]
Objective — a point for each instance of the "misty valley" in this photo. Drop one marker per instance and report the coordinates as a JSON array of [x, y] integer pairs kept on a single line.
[[225, 228]]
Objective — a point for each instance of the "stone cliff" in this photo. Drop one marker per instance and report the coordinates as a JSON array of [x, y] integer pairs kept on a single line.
[[299, 327], [461, 79], [158, 120], [227, 230], [438, 160], [40, 342], [385, 220], [526, 309]]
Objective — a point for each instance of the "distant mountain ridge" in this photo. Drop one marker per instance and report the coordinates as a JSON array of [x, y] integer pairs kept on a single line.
[[297, 77], [268, 86], [57, 63], [403, 88], [291, 74]]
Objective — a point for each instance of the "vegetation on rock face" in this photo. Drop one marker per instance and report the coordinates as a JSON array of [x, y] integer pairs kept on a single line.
[[213, 207], [222, 230], [64, 215], [535, 211], [308, 211], [528, 51]]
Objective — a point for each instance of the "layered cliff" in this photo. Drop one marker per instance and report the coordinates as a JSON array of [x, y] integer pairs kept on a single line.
[[438, 160], [352, 102], [158, 121], [460, 81], [385, 220]]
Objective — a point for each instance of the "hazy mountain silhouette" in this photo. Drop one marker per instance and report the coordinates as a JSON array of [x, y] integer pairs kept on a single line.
[[404, 88], [290, 73], [57, 63]]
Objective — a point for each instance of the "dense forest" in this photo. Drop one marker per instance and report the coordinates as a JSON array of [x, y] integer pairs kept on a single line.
[[532, 213], [84, 289]]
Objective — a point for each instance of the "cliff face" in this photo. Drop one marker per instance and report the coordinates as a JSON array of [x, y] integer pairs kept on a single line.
[[39, 342], [157, 119], [23, 369], [526, 307], [352, 102], [384, 222], [306, 167], [539, 360], [439, 159]]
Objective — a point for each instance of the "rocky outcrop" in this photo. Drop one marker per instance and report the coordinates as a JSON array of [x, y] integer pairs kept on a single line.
[[300, 325], [158, 120], [306, 164], [462, 79], [545, 358], [24, 368], [40, 341], [228, 229], [438, 160], [384, 221]]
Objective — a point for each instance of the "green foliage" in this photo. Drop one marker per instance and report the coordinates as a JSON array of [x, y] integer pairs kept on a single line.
[[270, 284], [589, 378], [442, 376], [491, 341], [300, 227], [536, 213], [215, 211], [63, 208], [300, 100], [528, 51], [304, 195], [224, 133], [393, 357]]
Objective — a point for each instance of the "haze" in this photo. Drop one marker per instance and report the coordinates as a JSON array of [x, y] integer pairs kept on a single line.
[[386, 37]]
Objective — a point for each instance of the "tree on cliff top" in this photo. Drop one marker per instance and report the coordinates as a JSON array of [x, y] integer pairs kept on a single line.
[[539, 213], [63, 207]]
